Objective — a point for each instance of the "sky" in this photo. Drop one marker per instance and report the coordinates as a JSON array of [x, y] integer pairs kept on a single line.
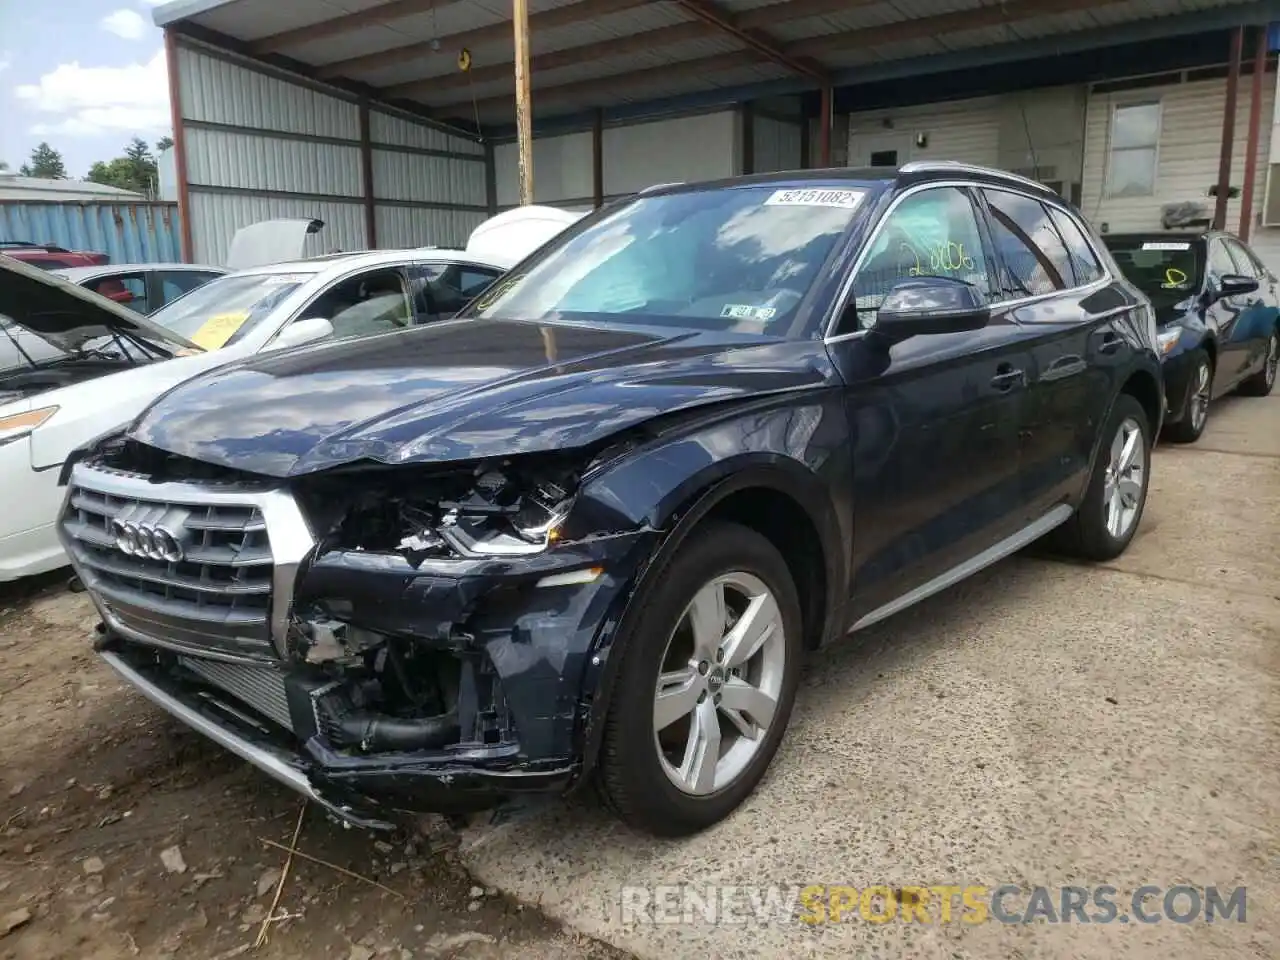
[[85, 75]]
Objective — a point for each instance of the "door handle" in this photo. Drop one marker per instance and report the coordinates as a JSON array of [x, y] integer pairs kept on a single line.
[[1111, 342], [1008, 377]]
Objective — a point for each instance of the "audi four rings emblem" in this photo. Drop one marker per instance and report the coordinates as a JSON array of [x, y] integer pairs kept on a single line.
[[152, 531]]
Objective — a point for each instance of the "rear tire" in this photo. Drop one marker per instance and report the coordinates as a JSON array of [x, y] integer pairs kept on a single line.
[[1260, 384], [1108, 517], [671, 682], [1195, 406]]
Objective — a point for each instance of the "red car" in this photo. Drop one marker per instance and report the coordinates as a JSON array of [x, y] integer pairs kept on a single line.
[[49, 257]]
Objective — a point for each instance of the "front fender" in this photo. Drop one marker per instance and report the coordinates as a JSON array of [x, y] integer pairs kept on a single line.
[[796, 446]]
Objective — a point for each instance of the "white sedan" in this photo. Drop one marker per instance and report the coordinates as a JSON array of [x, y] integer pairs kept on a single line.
[[74, 366]]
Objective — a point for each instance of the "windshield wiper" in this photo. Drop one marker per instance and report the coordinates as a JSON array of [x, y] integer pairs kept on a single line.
[[16, 345]]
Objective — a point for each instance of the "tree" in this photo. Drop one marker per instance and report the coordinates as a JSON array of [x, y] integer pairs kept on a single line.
[[163, 144], [45, 162], [135, 171]]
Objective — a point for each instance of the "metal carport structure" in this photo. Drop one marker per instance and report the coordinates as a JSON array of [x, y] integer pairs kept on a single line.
[[357, 111]]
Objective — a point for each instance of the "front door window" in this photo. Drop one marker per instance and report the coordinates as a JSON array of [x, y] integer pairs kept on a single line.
[[933, 233]]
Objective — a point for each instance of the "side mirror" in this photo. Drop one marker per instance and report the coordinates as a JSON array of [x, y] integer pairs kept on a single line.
[[930, 305], [304, 331], [1234, 285]]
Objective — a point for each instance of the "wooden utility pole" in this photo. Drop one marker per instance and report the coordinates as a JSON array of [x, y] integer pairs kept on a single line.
[[524, 116]]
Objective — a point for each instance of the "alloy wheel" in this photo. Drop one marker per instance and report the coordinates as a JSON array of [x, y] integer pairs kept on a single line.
[[720, 683], [1273, 359], [1125, 478], [1200, 396]]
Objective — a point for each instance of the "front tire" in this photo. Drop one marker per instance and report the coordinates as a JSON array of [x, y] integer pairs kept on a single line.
[[1195, 407], [1260, 384], [706, 683], [1108, 517]]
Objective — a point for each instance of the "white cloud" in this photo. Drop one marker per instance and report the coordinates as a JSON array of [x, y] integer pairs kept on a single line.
[[128, 24], [84, 101], [5, 63]]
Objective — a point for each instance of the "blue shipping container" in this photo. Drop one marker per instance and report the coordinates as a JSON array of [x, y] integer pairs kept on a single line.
[[145, 232]]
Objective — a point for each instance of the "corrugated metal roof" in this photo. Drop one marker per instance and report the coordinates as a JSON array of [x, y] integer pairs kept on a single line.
[[14, 186], [397, 50]]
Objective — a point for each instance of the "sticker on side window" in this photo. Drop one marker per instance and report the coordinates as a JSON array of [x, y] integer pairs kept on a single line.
[[1165, 245], [742, 311], [816, 197]]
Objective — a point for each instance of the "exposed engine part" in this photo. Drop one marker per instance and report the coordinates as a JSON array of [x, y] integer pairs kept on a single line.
[[329, 640], [375, 733]]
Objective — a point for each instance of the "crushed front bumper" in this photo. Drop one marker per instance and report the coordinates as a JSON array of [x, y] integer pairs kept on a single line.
[[368, 792]]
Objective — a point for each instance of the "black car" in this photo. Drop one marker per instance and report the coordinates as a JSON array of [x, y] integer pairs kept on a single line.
[[1218, 315], [585, 532]]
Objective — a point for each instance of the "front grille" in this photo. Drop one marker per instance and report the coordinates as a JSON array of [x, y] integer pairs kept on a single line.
[[261, 687], [215, 598]]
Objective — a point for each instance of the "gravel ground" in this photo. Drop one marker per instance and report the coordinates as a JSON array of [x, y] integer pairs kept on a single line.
[[1041, 724]]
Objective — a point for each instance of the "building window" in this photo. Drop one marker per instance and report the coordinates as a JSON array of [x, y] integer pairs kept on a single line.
[[1135, 134]]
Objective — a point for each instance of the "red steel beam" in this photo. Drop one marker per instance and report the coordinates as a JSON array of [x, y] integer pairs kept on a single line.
[[1255, 125], [179, 145], [1228, 130]]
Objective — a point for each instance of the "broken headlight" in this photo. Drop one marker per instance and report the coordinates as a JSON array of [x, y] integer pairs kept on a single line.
[[502, 517], [491, 511]]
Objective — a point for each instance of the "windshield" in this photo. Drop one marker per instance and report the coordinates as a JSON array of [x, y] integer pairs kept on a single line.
[[737, 259], [212, 314], [53, 335], [1165, 270]]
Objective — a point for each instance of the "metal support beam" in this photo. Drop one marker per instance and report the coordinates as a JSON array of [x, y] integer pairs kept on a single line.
[[381, 14], [492, 33], [366, 175], [597, 158], [179, 145], [1228, 130], [524, 114], [1255, 124], [824, 127], [708, 12]]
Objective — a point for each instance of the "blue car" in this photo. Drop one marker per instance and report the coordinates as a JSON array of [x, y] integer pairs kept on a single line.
[[585, 532], [1218, 314]]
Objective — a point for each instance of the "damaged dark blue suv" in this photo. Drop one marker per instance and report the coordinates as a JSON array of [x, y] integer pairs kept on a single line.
[[585, 532]]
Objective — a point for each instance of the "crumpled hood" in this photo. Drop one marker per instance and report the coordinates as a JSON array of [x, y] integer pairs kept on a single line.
[[461, 390]]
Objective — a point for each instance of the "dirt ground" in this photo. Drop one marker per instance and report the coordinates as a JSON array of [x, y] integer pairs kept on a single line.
[[97, 787]]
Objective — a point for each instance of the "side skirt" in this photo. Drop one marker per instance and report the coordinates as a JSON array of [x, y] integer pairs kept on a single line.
[[1011, 544]]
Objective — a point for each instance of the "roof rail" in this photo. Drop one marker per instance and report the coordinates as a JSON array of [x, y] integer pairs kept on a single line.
[[955, 166]]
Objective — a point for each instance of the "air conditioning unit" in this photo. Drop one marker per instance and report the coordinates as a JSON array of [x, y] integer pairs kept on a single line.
[[1271, 197], [1186, 215]]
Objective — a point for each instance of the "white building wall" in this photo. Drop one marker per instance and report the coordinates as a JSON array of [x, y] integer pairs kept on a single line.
[[258, 145], [963, 130], [681, 149], [561, 170], [1187, 157]]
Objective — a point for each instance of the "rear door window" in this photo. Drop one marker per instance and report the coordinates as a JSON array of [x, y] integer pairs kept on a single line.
[[1084, 262], [442, 289], [174, 283], [126, 289], [1035, 259]]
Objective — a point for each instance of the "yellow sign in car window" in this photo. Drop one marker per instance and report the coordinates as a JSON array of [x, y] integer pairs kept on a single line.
[[218, 329]]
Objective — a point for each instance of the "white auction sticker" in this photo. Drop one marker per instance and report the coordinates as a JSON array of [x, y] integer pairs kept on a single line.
[[1165, 245], [816, 197], [742, 311]]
